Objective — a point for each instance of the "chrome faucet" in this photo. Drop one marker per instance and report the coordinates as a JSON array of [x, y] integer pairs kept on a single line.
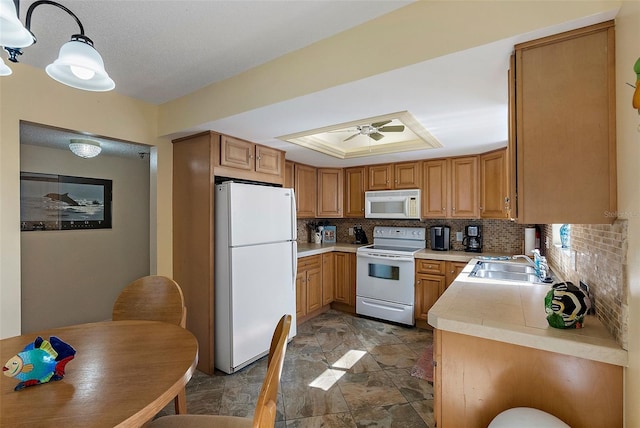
[[523, 256], [539, 263]]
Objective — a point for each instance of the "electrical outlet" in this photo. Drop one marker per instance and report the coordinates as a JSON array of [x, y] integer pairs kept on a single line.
[[459, 236], [351, 231]]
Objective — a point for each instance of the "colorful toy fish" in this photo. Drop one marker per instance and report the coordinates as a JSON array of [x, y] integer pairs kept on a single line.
[[39, 362]]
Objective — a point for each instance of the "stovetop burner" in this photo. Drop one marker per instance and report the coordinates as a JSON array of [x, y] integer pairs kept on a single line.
[[396, 240]]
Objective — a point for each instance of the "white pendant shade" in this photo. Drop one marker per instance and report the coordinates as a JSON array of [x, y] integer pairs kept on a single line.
[[12, 33], [80, 66], [4, 69], [85, 148]]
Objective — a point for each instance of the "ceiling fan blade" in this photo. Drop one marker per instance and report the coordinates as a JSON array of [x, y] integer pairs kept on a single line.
[[344, 130], [353, 136], [393, 128], [376, 136], [379, 124]]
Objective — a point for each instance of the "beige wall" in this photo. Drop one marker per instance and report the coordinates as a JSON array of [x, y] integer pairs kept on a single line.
[[74, 276], [29, 94], [628, 141]]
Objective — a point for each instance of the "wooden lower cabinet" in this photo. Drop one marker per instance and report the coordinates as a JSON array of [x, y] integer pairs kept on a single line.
[[476, 379], [344, 298], [428, 289], [328, 277], [308, 285], [452, 270], [430, 283]]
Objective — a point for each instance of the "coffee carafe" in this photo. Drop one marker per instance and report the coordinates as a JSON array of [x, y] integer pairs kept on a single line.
[[472, 240], [361, 237]]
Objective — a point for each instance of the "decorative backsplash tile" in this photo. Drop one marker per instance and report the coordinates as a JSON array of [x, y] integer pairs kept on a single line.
[[499, 236], [597, 256]]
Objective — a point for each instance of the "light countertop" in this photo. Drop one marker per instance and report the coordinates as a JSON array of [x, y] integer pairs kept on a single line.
[[513, 312], [309, 249]]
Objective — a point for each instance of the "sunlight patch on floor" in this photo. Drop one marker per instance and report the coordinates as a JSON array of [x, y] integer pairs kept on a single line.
[[330, 376]]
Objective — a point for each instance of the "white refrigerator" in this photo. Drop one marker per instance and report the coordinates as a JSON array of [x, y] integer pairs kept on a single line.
[[255, 270]]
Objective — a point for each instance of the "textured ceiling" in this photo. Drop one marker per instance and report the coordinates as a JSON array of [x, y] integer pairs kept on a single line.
[[158, 50]]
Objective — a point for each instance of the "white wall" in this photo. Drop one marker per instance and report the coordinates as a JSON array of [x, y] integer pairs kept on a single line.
[[74, 276]]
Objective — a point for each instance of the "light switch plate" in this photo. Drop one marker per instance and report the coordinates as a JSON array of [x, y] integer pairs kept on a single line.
[[458, 236], [351, 231]]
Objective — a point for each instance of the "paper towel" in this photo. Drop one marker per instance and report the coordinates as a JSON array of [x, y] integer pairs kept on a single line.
[[529, 239]]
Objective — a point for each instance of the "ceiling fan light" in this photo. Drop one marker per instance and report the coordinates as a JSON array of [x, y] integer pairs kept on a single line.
[[4, 68], [12, 33], [84, 148], [80, 66]]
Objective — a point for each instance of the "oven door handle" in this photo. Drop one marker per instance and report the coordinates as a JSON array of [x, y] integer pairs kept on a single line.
[[387, 257]]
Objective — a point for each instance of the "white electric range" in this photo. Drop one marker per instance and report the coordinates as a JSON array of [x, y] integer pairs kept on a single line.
[[385, 273]]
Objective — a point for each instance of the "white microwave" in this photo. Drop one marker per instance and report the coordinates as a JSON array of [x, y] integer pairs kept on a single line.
[[394, 204]]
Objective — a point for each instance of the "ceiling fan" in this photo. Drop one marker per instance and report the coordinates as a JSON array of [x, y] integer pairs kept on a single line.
[[374, 130]]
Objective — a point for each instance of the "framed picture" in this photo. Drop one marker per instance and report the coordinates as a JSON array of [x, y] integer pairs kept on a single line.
[[61, 202], [329, 235]]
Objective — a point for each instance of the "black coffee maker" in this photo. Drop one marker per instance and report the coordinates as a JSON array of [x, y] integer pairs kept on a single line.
[[472, 240], [361, 237]]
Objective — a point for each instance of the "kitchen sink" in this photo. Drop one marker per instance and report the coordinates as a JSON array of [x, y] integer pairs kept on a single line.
[[505, 272], [507, 267]]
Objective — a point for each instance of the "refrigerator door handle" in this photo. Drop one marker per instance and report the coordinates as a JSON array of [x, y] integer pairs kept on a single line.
[[294, 212], [294, 264]]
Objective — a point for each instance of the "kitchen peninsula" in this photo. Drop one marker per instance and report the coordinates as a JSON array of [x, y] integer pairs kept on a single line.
[[483, 326]]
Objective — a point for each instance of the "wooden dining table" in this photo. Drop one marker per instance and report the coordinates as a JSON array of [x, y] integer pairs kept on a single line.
[[123, 374]]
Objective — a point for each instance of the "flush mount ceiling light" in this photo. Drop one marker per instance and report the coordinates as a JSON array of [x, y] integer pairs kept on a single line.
[[84, 148], [78, 65]]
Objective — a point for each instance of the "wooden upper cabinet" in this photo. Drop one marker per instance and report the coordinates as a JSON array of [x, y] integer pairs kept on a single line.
[[565, 127], [406, 175], [305, 188], [330, 188], [380, 177], [494, 192], [354, 185], [289, 181], [435, 189], [237, 153], [511, 146], [268, 160], [242, 159], [464, 187], [402, 175]]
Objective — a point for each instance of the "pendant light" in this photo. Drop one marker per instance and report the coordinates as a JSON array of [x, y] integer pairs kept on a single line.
[[78, 65], [12, 32]]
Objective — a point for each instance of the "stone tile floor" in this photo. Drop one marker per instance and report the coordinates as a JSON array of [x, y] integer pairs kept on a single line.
[[339, 371]]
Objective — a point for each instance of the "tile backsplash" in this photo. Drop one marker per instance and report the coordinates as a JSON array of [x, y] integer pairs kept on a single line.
[[598, 257], [498, 236]]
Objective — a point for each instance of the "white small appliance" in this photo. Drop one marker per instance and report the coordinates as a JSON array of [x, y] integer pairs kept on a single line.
[[255, 270], [385, 273], [392, 204]]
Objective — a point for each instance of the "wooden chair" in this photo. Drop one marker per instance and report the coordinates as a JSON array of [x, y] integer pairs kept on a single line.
[[154, 298], [265, 413]]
